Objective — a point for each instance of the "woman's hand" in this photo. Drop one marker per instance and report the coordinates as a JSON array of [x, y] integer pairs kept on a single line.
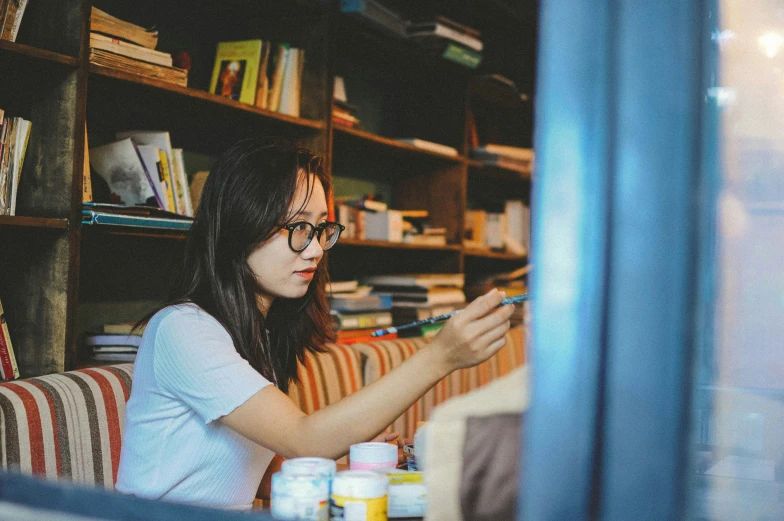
[[475, 334]]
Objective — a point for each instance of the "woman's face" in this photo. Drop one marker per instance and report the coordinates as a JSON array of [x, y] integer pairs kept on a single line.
[[280, 271]]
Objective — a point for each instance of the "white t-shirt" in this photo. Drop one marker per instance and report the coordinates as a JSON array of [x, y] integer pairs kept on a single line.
[[187, 375]]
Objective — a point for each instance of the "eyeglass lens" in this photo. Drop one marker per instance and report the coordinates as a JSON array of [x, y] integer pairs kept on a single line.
[[303, 232]]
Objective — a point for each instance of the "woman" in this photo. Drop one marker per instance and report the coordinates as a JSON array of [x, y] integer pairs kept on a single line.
[[208, 406]]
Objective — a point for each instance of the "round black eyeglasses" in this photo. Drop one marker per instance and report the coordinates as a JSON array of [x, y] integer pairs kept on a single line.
[[302, 232]]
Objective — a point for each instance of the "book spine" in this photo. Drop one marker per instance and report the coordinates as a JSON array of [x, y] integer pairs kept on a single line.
[[8, 365], [463, 56], [168, 185]]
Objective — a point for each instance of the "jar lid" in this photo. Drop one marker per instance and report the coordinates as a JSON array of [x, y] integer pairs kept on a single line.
[[373, 452], [359, 484], [321, 466]]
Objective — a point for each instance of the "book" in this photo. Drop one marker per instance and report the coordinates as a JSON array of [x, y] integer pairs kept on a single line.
[[182, 191], [13, 11], [377, 15], [376, 319], [425, 240], [277, 69], [384, 226], [516, 153], [371, 302], [449, 31], [429, 145], [262, 85], [141, 210], [87, 185], [21, 140], [90, 217], [151, 157], [130, 50], [290, 87], [474, 229], [114, 349], [197, 185], [108, 339], [8, 367], [236, 70], [422, 280], [407, 314], [114, 357], [102, 22], [162, 141], [462, 56], [421, 297], [118, 62], [342, 286], [121, 166]]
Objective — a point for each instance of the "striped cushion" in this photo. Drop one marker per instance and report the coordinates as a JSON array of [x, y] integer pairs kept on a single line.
[[327, 377], [383, 356], [68, 424]]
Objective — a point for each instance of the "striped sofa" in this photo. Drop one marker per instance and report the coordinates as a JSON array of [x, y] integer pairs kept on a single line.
[[69, 425]]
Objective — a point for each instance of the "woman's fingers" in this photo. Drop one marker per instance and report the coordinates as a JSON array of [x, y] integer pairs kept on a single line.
[[480, 326], [491, 336], [495, 347], [481, 306]]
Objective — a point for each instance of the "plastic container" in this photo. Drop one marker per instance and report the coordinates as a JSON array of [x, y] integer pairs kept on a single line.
[[300, 497], [319, 466], [359, 495], [372, 455], [407, 493]]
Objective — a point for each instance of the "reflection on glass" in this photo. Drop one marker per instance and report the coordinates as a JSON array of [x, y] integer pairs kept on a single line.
[[739, 420]]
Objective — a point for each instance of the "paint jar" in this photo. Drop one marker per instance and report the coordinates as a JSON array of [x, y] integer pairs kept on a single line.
[[319, 466], [358, 495], [371, 455], [407, 493], [300, 497]]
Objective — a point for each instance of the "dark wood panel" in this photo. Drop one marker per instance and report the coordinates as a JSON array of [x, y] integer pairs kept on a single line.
[[442, 194], [348, 263], [45, 182], [52, 24], [28, 52], [33, 288]]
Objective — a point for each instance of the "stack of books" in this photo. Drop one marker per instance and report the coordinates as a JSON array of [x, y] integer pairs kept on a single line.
[[423, 234], [260, 73], [356, 311], [420, 296], [375, 14], [113, 347], [123, 46], [509, 231], [430, 146], [449, 39], [346, 114], [511, 158], [512, 283], [14, 136], [11, 12], [142, 168]]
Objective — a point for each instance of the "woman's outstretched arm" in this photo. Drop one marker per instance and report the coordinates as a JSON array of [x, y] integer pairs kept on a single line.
[[271, 419]]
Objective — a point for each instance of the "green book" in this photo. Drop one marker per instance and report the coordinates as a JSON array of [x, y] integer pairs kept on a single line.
[[463, 56]]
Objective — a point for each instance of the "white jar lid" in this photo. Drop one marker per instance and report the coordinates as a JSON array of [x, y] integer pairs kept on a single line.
[[374, 452], [359, 484], [301, 485], [321, 466]]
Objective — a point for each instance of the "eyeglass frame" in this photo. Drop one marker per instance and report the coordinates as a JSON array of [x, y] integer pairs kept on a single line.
[[314, 229]]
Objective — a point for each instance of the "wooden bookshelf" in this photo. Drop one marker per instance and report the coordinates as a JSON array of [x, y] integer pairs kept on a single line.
[[33, 222], [205, 96], [394, 245], [492, 254], [30, 53], [383, 145], [60, 271]]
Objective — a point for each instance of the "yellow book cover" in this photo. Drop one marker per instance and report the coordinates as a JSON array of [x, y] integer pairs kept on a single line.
[[236, 71], [167, 181], [87, 186]]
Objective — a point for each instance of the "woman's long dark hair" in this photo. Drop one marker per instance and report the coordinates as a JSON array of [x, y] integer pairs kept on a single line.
[[246, 199]]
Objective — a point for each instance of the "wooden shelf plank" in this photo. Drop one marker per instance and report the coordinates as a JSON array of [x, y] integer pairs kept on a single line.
[[490, 254], [136, 231], [205, 96], [391, 145], [479, 168], [37, 54], [34, 222], [395, 245]]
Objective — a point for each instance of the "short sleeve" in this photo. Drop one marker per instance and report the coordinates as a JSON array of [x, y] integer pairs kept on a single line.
[[196, 361]]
